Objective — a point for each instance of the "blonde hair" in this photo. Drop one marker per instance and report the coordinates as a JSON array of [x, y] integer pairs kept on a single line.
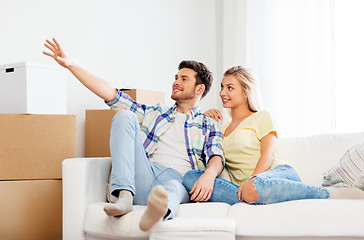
[[249, 84]]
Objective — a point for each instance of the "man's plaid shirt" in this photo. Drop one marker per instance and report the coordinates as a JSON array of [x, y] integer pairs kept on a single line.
[[203, 134]]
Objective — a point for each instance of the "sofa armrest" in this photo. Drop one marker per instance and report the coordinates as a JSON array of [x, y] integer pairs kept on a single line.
[[84, 182]]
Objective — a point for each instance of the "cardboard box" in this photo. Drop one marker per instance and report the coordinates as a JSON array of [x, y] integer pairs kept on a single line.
[[32, 88], [34, 146], [31, 210], [145, 96], [98, 122]]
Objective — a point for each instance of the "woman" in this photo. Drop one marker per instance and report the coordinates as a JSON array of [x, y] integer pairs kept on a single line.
[[257, 175]]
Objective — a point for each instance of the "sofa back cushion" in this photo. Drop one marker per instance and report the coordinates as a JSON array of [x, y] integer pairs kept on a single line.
[[313, 156]]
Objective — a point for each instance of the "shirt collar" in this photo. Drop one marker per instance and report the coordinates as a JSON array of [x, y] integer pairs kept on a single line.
[[193, 112]]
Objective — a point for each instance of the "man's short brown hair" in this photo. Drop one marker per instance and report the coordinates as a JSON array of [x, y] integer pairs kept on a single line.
[[203, 76]]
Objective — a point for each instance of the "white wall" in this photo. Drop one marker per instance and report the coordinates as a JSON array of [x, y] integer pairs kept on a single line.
[[291, 48], [131, 44], [233, 40]]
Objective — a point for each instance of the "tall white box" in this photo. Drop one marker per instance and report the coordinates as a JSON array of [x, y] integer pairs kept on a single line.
[[32, 88]]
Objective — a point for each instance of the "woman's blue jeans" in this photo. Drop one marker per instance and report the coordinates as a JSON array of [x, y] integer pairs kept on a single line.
[[279, 184], [131, 169]]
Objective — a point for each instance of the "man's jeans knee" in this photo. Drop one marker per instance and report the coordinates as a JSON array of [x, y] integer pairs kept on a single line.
[[125, 117], [190, 178]]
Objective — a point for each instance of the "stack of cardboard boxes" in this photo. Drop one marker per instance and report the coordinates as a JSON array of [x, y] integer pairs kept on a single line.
[[36, 135]]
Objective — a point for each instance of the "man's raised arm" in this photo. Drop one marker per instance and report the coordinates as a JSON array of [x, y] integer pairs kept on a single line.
[[98, 86]]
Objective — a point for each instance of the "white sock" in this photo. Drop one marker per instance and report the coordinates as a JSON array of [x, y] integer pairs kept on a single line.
[[156, 209], [123, 204]]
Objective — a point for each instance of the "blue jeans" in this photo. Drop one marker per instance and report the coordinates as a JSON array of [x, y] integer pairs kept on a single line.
[[279, 184], [131, 169]]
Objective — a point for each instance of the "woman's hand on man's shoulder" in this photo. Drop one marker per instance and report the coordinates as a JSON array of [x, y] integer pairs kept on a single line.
[[214, 114]]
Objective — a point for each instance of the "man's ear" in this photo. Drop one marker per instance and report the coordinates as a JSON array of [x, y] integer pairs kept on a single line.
[[200, 89]]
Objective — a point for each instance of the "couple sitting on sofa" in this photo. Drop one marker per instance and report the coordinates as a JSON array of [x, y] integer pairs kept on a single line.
[[157, 152]]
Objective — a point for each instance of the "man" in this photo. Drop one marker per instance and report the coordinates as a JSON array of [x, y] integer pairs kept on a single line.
[[152, 147]]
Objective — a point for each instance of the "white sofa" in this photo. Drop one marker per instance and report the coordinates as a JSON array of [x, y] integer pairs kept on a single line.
[[84, 197]]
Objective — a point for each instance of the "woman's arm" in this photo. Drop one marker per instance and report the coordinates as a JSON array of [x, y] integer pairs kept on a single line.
[[98, 86], [266, 159]]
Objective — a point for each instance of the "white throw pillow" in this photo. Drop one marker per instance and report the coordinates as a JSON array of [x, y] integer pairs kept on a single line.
[[350, 170]]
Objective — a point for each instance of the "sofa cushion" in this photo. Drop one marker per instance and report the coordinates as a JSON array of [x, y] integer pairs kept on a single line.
[[98, 224], [203, 209], [193, 228], [312, 156], [301, 218], [350, 169]]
